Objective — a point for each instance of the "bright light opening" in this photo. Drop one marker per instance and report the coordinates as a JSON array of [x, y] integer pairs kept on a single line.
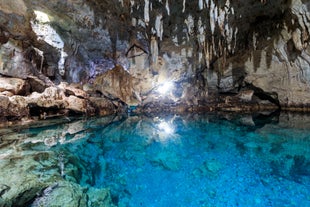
[[41, 26], [165, 87]]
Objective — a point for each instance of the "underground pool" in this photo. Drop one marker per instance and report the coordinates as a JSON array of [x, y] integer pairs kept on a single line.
[[158, 161]]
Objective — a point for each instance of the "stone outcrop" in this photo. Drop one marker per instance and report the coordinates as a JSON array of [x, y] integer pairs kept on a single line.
[[62, 194], [117, 83], [60, 100], [14, 85]]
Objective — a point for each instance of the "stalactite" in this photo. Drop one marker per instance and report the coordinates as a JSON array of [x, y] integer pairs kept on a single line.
[[207, 54], [235, 38], [212, 17], [132, 3], [134, 22], [122, 2], [190, 25], [184, 5], [40, 53], [146, 12], [159, 26], [154, 50], [167, 7], [254, 41], [200, 5]]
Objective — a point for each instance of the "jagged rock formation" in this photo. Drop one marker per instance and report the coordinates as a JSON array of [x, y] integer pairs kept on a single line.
[[125, 51]]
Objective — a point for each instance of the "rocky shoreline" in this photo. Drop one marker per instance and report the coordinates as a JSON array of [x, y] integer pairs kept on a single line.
[[20, 103]]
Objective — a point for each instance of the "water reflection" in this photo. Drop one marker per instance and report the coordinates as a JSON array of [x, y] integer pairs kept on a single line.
[[166, 129], [170, 160]]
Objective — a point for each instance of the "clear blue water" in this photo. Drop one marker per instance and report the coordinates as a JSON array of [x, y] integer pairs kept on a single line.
[[191, 161]]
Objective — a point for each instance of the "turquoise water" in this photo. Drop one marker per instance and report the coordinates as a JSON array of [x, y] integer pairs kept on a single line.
[[187, 161]]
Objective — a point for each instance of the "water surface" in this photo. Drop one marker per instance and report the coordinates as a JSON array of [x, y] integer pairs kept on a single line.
[[184, 161]]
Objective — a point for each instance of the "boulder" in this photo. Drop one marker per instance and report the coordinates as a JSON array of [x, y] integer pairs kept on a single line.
[[4, 102], [245, 95], [22, 186], [62, 193], [99, 197], [73, 90], [56, 98], [6, 93], [18, 106], [76, 104], [36, 84], [103, 106], [16, 86], [13, 107], [118, 84], [12, 61], [52, 97]]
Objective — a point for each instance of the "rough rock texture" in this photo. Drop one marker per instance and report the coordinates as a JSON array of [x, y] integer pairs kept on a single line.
[[130, 50], [118, 83], [14, 85], [62, 194], [61, 100]]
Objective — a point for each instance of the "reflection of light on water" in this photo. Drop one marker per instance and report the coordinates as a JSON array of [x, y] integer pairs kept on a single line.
[[165, 130], [166, 127]]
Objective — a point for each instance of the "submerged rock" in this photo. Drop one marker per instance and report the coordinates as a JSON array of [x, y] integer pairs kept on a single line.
[[62, 193], [209, 168], [24, 184], [167, 160], [99, 197]]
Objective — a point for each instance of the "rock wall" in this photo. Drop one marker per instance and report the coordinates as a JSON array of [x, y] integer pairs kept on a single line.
[[128, 51]]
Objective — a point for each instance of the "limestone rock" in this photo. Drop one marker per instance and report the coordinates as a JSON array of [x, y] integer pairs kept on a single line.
[[99, 198], [51, 97], [55, 97], [71, 90], [6, 93], [14, 107], [103, 106], [62, 193], [36, 84], [76, 104], [118, 84], [246, 95], [209, 168], [14, 85], [22, 186], [5, 101], [167, 160], [12, 61], [19, 105]]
